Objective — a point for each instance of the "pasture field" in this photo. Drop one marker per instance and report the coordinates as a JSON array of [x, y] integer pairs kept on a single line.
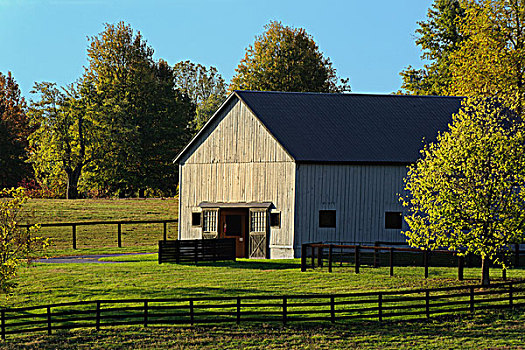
[[140, 276], [103, 238]]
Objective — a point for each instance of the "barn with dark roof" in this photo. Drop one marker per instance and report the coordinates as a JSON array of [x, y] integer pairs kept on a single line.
[[276, 169]]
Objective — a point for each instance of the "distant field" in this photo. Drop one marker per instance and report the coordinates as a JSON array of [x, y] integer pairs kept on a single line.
[[103, 238]]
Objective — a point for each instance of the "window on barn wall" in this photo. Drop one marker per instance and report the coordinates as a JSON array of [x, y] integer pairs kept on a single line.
[[209, 223], [393, 220], [196, 219], [327, 218], [258, 221], [275, 219]]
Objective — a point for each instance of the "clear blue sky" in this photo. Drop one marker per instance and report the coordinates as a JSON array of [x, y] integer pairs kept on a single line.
[[369, 41]]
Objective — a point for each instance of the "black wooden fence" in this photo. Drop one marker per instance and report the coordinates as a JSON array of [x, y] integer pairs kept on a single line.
[[119, 224], [196, 250], [388, 305], [332, 255]]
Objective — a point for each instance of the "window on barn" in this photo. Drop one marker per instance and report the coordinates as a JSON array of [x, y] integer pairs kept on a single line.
[[327, 218], [258, 221], [209, 222], [196, 219], [393, 220], [275, 219]]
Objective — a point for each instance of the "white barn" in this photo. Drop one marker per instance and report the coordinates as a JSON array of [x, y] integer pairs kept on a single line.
[[275, 169]]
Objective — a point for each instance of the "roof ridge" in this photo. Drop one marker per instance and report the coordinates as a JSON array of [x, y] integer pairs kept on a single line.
[[345, 94]]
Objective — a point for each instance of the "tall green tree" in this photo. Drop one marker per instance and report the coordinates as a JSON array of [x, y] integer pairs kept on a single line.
[[204, 86], [466, 192], [438, 37], [67, 138], [139, 106], [286, 59], [14, 130], [492, 61]]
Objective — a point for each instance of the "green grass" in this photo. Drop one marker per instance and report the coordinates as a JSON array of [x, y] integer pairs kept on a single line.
[[103, 238], [504, 330]]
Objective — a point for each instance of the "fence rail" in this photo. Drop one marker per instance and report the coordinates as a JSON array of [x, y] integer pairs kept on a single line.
[[320, 254], [379, 306], [119, 224], [195, 250]]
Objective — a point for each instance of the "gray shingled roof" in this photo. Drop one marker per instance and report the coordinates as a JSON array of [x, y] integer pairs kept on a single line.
[[354, 128]]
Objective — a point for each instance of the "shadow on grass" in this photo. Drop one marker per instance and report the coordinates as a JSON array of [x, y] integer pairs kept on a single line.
[[262, 265]]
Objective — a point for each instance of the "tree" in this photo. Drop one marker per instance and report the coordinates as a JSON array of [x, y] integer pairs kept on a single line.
[[286, 59], [15, 243], [438, 36], [139, 106], [204, 86], [492, 61], [466, 193], [14, 130], [67, 138]]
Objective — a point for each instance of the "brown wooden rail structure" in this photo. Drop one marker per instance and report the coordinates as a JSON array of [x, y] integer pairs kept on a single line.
[[355, 254], [403, 305], [195, 250], [119, 224]]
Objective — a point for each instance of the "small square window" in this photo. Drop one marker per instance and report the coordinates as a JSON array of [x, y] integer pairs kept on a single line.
[[195, 219], [327, 218], [393, 220], [275, 219]]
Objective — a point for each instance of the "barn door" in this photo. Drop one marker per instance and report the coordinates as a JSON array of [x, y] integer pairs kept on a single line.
[[258, 230]]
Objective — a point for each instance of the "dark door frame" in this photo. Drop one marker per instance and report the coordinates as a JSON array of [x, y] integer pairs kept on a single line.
[[244, 212]]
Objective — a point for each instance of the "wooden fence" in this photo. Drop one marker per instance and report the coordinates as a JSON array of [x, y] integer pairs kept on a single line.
[[388, 305], [119, 224], [196, 250], [331, 255]]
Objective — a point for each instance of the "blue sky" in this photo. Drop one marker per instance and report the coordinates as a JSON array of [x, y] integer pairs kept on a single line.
[[368, 41]]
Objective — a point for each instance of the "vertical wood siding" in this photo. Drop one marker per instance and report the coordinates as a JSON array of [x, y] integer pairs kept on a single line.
[[237, 160], [360, 194]]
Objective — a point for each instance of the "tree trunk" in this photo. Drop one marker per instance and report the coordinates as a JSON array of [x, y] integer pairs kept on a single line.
[[485, 276], [72, 183]]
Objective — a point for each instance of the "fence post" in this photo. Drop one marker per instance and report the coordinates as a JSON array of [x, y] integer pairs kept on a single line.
[[119, 235], [471, 299], [425, 261], [391, 261], [238, 310], [192, 316], [74, 236], [196, 255], [332, 309], [313, 257], [145, 313], [356, 258], [177, 247], [97, 317], [504, 273], [461, 265], [427, 303], [517, 255], [165, 235], [3, 324], [376, 262], [510, 295], [330, 257], [380, 306], [49, 320], [285, 303], [320, 256], [303, 257]]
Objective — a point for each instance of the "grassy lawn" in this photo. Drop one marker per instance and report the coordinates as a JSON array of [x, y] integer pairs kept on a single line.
[[139, 276], [103, 238], [483, 331]]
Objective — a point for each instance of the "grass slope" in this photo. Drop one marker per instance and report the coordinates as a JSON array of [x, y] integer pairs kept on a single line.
[[103, 238]]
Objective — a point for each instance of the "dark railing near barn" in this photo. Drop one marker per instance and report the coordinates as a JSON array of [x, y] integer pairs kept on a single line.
[[196, 250], [332, 255], [393, 305], [119, 224]]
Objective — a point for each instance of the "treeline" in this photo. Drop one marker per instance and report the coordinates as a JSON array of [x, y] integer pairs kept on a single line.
[[115, 131]]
